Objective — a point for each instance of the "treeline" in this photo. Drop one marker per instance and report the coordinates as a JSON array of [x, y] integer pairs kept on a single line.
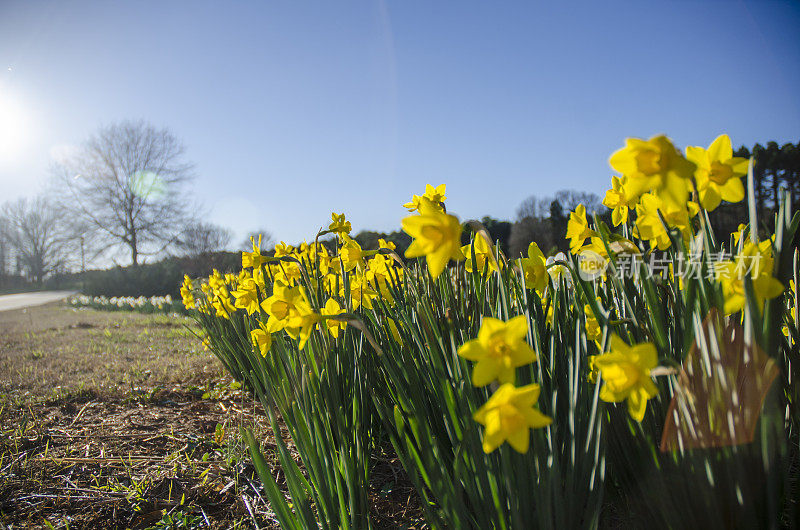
[[148, 279]]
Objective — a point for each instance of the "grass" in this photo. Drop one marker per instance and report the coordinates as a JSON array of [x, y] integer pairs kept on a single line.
[[124, 420], [55, 349]]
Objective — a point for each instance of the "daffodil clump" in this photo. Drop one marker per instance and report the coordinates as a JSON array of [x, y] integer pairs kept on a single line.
[[518, 391]]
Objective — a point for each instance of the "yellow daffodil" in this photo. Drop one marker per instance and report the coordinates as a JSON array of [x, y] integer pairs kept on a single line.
[[500, 348], [578, 228], [288, 272], [649, 226], [350, 254], [625, 371], [435, 195], [339, 225], [301, 323], [187, 293], [284, 304], [222, 304], [534, 268], [382, 243], [361, 293], [253, 259], [247, 296], [413, 204], [509, 415], [594, 372], [718, 174], [282, 249], [619, 201], [755, 261], [484, 254], [593, 329], [332, 308], [437, 236], [654, 165], [261, 338], [382, 273], [740, 231]]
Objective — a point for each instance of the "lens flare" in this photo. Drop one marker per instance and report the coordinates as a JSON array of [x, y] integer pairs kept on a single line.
[[15, 127], [148, 185]]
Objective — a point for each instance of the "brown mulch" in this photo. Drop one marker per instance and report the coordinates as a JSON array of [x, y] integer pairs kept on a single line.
[[94, 461]]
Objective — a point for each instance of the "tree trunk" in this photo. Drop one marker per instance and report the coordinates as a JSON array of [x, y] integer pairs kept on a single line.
[[134, 251]]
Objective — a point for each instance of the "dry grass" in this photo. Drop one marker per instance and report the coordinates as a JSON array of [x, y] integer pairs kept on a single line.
[[122, 420], [50, 349]]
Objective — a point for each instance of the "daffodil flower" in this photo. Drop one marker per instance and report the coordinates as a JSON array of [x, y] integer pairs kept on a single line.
[[261, 338], [650, 227], [361, 293], [509, 415], [484, 253], [435, 195], [499, 349], [654, 165], [619, 200], [382, 243], [755, 261], [578, 228], [534, 269], [247, 296], [625, 371], [339, 225], [593, 329], [284, 304], [187, 293], [351, 254], [332, 308], [718, 172], [437, 236], [301, 323], [253, 259], [282, 249]]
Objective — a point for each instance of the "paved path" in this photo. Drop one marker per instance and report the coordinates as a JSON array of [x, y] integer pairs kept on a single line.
[[21, 300]]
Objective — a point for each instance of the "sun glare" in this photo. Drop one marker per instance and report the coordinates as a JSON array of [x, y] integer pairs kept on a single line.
[[14, 127]]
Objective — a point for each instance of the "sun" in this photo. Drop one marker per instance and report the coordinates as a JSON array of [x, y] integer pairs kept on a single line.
[[15, 127]]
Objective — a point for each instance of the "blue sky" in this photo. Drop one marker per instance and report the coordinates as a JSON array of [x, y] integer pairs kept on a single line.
[[293, 109]]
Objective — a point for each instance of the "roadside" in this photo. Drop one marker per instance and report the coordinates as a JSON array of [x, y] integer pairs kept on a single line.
[[10, 302]]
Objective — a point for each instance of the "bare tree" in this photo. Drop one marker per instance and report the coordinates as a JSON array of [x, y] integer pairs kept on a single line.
[[36, 232], [539, 207], [570, 199], [127, 183], [200, 238], [4, 249], [534, 207]]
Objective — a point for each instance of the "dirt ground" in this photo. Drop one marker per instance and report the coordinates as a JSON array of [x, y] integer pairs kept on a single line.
[[123, 420]]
